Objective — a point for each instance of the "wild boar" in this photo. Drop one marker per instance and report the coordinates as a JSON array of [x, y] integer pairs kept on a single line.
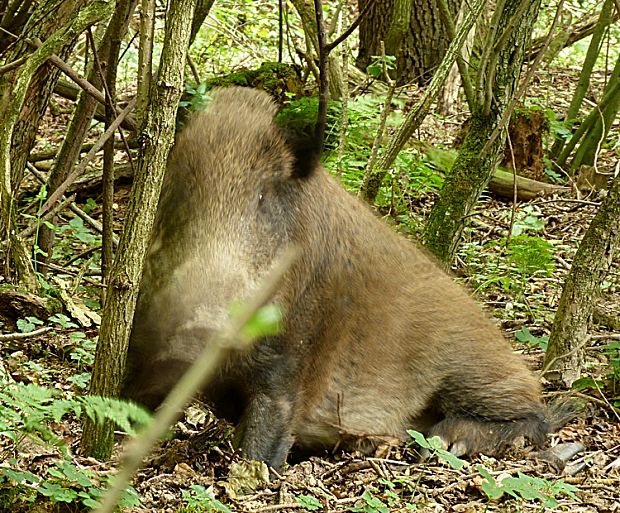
[[375, 338]]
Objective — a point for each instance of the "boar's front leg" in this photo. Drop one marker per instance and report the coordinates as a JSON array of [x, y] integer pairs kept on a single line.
[[265, 430]]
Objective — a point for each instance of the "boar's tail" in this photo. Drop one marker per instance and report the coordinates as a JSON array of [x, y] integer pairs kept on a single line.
[[464, 434], [560, 412], [468, 436]]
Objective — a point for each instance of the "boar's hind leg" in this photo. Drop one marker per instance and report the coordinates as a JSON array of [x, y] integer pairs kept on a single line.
[[466, 435], [482, 415], [264, 432]]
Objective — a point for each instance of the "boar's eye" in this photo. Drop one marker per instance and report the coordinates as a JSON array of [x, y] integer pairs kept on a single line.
[[261, 199]]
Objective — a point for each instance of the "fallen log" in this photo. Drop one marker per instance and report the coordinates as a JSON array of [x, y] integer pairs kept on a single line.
[[502, 185]]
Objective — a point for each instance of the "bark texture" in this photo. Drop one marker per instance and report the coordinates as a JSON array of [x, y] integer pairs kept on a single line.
[[474, 166], [423, 43], [49, 16], [122, 292], [569, 336]]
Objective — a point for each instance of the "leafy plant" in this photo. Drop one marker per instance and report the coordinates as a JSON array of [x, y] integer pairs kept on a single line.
[[434, 446], [63, 321], [32, 411], [531, 255], [81, 380], [371, 504], [65, 482], [529, 222], [309, 503], [28, 324], [84, 350], [375, 68], [199, 499], [526, 487], [524, 335], [559, 129], [76, 228], [28, 410]]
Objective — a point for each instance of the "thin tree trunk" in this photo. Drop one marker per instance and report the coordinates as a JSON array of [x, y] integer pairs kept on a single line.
[[45, 21], [157, 138], [372, 180], [83, 115], [610, 97], [118, 28], [569, 334], [202, 11], [481, 150], [145, 58], [586, 71], [595, 137], [12, 246], [305, 9]]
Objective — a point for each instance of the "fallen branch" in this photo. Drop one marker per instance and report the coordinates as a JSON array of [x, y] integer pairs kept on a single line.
[[69, 91], [96, 225], [502, 184], [89, 156], [18, 336], [79, 80]]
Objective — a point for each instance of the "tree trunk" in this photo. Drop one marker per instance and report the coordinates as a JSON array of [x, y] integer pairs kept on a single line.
[[202, 11], [12, 246], [594, 49], [45, 21], [83, 115], [468, 177], [595, 137], [116, 31], [305, 9], [423, 44], [122, 292], [482, 147], [569, 334]]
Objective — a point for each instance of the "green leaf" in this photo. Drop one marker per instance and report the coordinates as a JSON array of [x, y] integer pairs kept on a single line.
[[20, 476], [419, 438], [28, 324], [72, 473], [57, 492], [490, 487], [452, 460], [524, 335], [264, 323], [62, 320], [309, 503]]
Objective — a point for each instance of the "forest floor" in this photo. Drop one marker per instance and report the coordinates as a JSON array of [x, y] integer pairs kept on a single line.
[[200, 451]]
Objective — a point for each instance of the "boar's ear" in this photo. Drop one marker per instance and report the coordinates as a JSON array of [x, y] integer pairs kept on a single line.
[[306, 152]]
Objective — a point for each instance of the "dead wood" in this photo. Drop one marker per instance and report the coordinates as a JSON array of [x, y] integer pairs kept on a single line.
[[502, 185]]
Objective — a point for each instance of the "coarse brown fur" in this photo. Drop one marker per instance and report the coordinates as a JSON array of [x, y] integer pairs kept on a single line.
[[376, 339]]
